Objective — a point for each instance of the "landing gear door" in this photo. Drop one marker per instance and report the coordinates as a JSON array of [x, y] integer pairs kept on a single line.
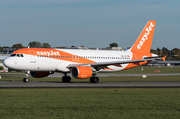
[[33, 56]]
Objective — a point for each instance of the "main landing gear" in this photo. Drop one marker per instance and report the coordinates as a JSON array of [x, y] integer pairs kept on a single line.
[[66, 78], [26, 77], [94, 79]]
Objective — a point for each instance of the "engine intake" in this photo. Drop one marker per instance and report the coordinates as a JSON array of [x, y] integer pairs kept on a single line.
[[81, 72]]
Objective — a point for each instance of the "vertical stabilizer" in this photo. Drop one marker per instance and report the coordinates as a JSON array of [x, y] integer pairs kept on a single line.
[[144, 41]]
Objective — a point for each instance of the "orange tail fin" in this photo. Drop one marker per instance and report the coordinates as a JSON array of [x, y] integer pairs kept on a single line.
[[144, 41]]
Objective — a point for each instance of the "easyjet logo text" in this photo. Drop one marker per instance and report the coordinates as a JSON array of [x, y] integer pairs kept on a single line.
[[48, 53], [145, 36]]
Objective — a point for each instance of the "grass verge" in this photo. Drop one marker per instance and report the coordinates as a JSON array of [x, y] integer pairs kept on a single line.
[[150, 70], [90, 103]]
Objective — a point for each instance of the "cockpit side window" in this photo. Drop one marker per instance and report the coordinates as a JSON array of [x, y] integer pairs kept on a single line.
[[18, 55], [22, 55]]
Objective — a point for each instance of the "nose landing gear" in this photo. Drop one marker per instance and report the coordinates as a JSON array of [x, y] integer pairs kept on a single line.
[[26, 80], [26, 77]]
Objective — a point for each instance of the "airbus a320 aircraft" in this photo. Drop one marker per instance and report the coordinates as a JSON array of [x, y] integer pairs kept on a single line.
[[41, 62]]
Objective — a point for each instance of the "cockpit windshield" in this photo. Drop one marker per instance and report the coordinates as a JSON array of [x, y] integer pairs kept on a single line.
[[17, 55], [13, 55]]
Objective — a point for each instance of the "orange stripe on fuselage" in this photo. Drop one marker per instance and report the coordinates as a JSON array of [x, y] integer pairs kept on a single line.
[[53, 53]]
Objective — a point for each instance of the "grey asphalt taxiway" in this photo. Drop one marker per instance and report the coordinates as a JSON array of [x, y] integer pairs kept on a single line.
[[36, 84], [19, 84]]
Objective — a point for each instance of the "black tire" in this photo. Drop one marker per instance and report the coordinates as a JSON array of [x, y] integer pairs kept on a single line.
[[66, 79], [94, 79], [26, 80]]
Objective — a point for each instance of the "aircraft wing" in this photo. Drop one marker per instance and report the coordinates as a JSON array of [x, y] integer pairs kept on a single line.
[[117, 62]]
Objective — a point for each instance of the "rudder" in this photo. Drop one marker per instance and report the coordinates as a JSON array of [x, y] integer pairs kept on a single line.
[[144, 41]]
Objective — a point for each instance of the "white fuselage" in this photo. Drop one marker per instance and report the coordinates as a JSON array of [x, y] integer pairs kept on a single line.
[[60, 63]]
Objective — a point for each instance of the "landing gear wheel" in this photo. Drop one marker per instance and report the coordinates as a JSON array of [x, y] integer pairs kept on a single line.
[[66, 79], [94, 79], [26, 80], [26, 76]]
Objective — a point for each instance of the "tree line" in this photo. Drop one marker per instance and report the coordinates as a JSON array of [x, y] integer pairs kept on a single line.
[[173, 54], [34, 44]]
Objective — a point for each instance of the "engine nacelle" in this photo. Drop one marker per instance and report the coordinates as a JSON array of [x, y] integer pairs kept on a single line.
[[81, 72], [39, 74]]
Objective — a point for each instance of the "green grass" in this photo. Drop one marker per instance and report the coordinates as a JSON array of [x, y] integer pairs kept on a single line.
[[139, 78], [93, 103], [90, 103], [151, 69]]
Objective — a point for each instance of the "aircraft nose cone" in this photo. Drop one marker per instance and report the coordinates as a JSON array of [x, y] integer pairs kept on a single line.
[[6, 62], [12, 63]]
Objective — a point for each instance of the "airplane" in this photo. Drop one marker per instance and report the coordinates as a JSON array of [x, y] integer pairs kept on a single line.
[[82, 64]]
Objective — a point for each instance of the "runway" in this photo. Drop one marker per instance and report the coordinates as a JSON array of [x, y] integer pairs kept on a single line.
[[114, 74], [19, 84], [36, 84], [99, 74]]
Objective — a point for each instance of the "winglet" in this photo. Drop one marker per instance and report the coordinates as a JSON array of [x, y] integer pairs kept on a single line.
[[163, 58]]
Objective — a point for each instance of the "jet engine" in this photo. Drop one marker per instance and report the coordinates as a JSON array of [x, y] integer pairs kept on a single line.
[[81, 72], [39, 74]]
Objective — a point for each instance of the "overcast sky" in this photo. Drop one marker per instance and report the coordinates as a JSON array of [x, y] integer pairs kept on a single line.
[[91, 23]]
